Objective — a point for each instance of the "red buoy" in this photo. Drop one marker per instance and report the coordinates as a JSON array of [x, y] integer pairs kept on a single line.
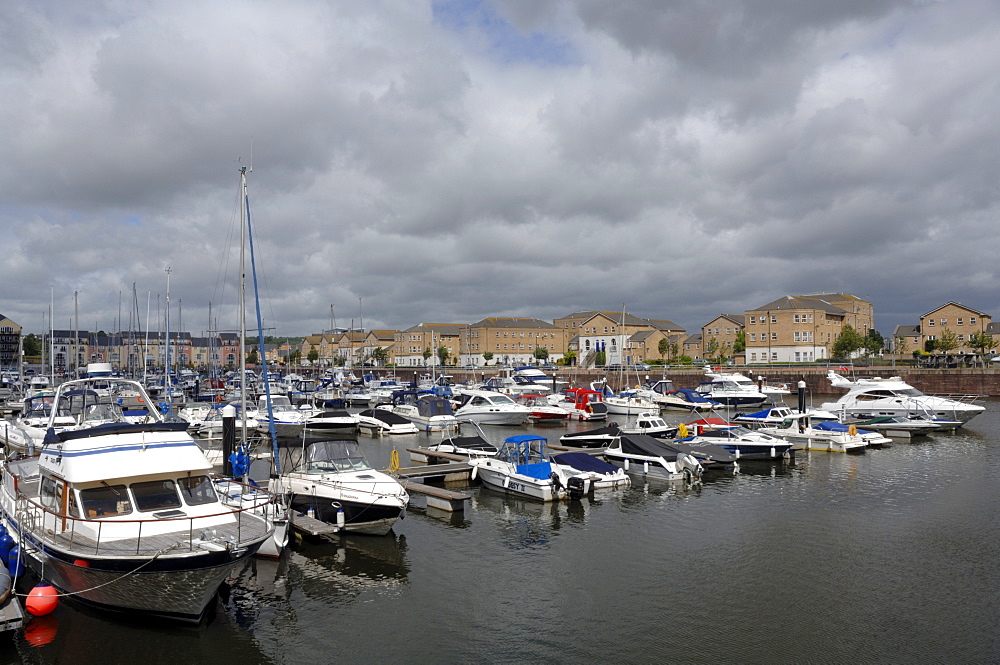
[[42, 600], [41, 631]]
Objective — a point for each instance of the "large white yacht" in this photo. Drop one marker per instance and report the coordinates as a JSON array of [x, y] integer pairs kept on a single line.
[[869, 398]]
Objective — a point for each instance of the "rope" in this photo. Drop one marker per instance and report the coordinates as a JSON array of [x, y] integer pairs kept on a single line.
[[393, 461], [117, 579]]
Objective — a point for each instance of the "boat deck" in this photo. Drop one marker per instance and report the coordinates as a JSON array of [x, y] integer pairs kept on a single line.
[[193, 534]]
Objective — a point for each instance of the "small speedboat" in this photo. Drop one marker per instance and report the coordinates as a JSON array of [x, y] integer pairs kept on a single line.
[[469, 446], [647, 457], [380, 421], [334, 483], [651, 424], [600, 437], [522, 468]]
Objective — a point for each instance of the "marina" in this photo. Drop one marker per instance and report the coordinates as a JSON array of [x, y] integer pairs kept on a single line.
[[820, 534]]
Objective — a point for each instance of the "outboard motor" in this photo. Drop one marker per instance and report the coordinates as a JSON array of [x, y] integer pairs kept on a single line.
[[690, 466], [577, 487]]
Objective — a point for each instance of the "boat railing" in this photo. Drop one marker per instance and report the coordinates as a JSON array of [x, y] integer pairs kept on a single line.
[[960, 397], [252, 509]]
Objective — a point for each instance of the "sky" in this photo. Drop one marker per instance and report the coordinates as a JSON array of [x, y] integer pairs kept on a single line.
[[451, 160]]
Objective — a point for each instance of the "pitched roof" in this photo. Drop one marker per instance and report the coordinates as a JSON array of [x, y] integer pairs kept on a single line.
[[956, 304], [800, 302], [906, 331], [512, 322], [663, 324]]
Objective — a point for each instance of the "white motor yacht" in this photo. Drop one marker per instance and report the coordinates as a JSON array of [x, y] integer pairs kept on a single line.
[[491, 408], [870, 398]]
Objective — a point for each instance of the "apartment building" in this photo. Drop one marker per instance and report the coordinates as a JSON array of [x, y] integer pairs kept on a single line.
[[951, 317], [409, 345], [803, 328], [511, 340], [10, 342], [719, 336]]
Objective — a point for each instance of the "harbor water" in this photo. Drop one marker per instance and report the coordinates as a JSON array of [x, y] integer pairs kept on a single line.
[[888, 556]]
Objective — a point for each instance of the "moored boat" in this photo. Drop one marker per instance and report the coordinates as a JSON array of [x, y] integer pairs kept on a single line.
[[123, 515]]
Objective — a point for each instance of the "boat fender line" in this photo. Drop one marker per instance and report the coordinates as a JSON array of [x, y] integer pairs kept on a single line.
[[153, 558], [682, 430], [556, 482], [474, 473], [688, 476], [852, 430], [506, 482]]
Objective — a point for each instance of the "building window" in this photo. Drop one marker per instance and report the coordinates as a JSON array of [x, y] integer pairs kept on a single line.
[[753, 337], [774, 355], [944, 321], [961, 338], [753, 319], [930, 322], [774, 337], [774, 318], [960, 320], [753, 356], [796, 337], [972, 320]]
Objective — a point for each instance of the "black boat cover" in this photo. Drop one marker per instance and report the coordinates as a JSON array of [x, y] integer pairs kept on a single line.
[[644, 444], [611, 429], [386, 416], [584, 462]]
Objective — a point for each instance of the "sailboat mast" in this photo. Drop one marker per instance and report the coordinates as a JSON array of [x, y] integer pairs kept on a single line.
[[166, 363], [243, 296]]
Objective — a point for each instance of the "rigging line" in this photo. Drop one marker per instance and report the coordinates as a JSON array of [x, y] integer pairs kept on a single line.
[[221, 278], [260, 342]]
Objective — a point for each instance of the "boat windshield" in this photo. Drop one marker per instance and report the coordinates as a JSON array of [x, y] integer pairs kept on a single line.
[[335, 457]]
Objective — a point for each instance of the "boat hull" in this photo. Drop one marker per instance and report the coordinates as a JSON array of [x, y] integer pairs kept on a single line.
[[170, 586], [374, 519]]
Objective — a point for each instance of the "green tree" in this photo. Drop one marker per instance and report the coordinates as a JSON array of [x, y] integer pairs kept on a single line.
[[848, 342], [569, 358], [711, 348], [947, 341], [32, 345], [313, 354], [874, 342], [929, 345], [427, 354], [740, 345], [899, 344], [981, 343], [252, 357], [380, 356], [541, 353], [600, 359], [663, 346], [487, 356], [443, 355]]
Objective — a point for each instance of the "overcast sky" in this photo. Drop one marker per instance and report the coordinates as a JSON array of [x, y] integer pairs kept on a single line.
[[446, 161]]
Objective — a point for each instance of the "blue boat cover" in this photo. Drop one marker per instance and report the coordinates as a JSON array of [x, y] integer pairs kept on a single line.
[[834, 426], [539, 470], [760, 414], [693, 395], [585, 462]]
